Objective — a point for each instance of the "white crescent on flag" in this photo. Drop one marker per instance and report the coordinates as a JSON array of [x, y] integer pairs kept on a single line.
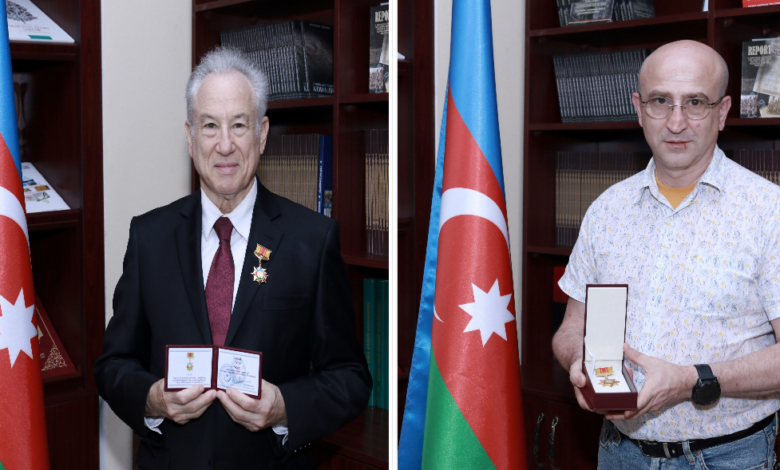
[[10, 207], [463, 201]]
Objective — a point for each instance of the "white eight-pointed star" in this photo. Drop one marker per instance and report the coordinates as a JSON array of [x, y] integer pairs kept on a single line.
[[16, 328], [488, 312]]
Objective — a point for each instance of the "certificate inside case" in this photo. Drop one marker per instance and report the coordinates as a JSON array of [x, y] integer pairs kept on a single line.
[[216, 367], [605, 330]]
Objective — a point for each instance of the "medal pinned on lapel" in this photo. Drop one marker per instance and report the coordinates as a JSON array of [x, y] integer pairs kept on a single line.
[[259, 274]]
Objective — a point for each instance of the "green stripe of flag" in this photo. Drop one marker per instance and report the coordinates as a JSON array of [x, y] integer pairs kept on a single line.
[[449, 441]]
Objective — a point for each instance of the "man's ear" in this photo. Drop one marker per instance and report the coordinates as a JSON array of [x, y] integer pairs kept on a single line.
[[637, 106], [725, 105], [189, 137], [264, 124]]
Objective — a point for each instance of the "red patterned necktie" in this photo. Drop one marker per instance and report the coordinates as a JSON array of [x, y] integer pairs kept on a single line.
[[219, 287]]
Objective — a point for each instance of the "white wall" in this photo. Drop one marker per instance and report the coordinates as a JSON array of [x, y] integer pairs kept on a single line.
[[147, 51], [509, 56]]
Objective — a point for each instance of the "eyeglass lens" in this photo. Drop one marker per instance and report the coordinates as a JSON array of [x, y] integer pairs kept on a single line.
[[692, 108]]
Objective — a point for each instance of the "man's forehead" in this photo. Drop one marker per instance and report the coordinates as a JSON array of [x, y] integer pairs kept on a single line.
[[205, 116]]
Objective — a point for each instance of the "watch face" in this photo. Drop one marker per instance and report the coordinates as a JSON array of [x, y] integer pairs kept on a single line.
[[707, 393]]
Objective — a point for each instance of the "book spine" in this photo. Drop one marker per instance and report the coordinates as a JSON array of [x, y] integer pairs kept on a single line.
[[369, 348], [383, 342]]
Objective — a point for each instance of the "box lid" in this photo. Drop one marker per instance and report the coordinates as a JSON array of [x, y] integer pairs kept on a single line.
[[605, 321]]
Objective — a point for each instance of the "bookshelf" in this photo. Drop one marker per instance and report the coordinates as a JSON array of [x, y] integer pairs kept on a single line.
[[62, 137], [416, 168], [346, 115], [546, 388]]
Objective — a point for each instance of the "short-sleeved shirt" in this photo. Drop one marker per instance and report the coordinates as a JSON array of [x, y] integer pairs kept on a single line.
[[703, 282]]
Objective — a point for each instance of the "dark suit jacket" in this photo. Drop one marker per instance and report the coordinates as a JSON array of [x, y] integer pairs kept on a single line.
[[301, 319]]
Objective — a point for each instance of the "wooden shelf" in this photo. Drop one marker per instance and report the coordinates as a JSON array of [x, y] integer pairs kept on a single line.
[[757, 122], [268, 8], [219, 4], [43, 51], [753, 11], [549, 250], [365, 439], [53, 220], [366, 260], [646, 22], [364, 98], [302, 103]]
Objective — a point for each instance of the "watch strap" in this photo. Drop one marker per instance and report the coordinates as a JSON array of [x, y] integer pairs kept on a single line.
[[705, 372]]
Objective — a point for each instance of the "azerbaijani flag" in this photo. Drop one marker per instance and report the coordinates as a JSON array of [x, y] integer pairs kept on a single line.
[[22, 420], [464, 404]]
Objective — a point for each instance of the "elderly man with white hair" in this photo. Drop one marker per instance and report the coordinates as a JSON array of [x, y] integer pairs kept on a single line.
[[190, 278]]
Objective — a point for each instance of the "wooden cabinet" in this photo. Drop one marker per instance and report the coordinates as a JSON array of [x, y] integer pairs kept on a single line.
[[724, 27], [347, 115], [560, 435], [59, 88]]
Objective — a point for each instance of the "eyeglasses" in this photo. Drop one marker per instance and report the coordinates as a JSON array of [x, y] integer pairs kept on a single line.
[[693, 108]]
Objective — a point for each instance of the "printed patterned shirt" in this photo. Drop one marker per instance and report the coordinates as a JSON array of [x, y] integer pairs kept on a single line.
[[703, 282]]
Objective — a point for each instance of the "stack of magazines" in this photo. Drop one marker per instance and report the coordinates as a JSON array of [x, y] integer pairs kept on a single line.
[[597, 87], [377, 192], [296, 55]]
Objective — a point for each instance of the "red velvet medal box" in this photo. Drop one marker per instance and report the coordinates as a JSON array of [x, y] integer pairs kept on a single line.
[[604, 335], [229, 374]]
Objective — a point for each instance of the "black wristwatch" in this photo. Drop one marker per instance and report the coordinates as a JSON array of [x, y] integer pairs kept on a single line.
[[707, 389]]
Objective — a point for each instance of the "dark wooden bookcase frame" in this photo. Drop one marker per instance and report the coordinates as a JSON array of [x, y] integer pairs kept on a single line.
[[346, 115], [547, 393], [63, 137], [416, 168]]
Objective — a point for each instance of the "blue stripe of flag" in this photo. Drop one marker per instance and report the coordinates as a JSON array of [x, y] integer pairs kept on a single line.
[[473, 80], [410, 446], [8, 127]]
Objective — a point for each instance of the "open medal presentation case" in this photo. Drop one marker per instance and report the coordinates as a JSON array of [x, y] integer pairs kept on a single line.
[[211, 371], [602, 348]]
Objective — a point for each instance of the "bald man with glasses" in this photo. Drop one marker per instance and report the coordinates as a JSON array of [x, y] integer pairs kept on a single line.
[[697, 239]]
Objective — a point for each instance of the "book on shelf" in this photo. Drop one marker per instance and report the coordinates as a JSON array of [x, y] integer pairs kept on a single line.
[[574, 12], [379, 49], [760, 85], [597, 87], [758, 3], [377, 189], [27, 23], [580, 178], [55, 362], [296, 56], [39, 195], [591, 11], [376, 325], [369, 331], [300, 168]]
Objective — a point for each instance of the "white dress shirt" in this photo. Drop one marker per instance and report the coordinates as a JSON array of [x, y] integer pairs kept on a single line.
[[241, 218]]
